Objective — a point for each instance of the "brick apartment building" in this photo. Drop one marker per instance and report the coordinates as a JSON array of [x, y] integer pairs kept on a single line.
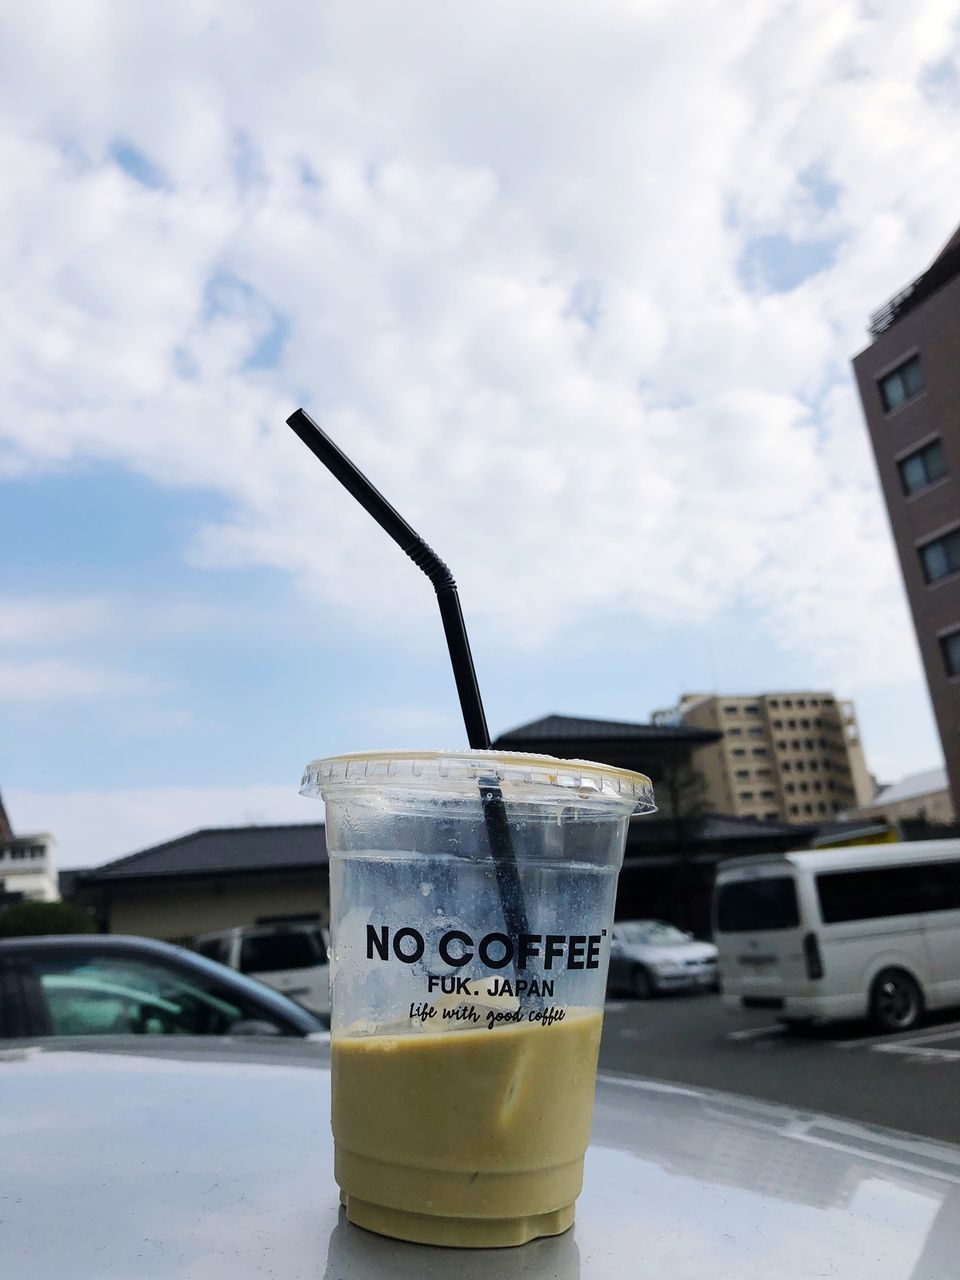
[[909, 382]]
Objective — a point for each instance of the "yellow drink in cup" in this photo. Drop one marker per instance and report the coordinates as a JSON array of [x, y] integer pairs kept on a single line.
[[464, 1058]]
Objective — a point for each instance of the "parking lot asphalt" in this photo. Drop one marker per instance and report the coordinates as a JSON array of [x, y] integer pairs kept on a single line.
[[909, 1081]]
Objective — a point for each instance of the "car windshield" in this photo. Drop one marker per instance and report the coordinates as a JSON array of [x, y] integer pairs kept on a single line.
[[652, 933]]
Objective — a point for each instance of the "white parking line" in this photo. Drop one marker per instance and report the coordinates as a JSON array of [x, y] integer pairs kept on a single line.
[[926, 1055], [905, 1037], [755, 1033]]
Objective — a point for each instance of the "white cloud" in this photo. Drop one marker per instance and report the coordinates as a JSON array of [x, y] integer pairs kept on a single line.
[[506, 248], [55, 679], [91, 827], [28, 621]]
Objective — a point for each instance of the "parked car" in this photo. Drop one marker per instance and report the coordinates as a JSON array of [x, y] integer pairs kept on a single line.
[[168, 1158], [292, 958], [648, 957], [840, 933], [108, 985]]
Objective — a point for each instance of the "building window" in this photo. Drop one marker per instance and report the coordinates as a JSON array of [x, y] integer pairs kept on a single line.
[[821, 807], [735, 732], [731, 711], [924, 467], [941, 556], [752, 710], [746, 795], [755, 731], [768, 795], [781, 745], [789, 788], [905, 382], [778, 724], [814, 766], [804, 787], [809, 743], [804, 724], [771, 816], [774, 702], [950, 648], [743, 773], [739, 751], [800, 766], [758, 751], [794, 808], [795, 743], [835, 806], [763, 773], [791, 724], [808, 808]]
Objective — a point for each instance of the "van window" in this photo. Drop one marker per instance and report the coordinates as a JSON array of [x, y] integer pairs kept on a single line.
[[748, 906], [888, 891], [268, 952], [213, 949]]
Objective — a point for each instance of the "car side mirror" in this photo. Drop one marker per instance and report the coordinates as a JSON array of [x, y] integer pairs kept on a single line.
[[253, 1027]]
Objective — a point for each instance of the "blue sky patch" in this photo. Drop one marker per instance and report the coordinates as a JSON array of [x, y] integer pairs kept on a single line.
[[137, 166], [777, 264]]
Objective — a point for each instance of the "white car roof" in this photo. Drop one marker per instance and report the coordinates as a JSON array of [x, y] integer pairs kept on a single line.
[[221, 1164]]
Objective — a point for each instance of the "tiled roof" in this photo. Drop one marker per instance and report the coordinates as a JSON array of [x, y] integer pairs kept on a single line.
[[716, 827], [222, 851], [558, 728]]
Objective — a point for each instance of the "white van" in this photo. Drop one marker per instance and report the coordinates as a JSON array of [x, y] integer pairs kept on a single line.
[[842, 933], [291, 958]]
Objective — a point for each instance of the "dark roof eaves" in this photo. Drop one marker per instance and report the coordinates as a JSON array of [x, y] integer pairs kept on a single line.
[[94, 877]]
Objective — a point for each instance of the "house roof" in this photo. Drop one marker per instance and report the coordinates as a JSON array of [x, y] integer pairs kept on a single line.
[[556, 728], [66, 880], [715, 828], [220, 851], [911, 787], [842, 832], [6, 830]]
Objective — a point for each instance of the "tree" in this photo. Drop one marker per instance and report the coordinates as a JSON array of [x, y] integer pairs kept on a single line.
[[28, 919]]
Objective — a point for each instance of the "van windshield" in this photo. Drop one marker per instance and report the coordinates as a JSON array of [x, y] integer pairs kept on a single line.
[[750, 906]]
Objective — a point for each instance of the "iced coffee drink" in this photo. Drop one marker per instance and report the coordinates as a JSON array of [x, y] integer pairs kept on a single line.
[[464, 1053]]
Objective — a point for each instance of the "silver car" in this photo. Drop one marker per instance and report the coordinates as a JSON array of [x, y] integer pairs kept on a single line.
[[650, 957], [203, 1159]]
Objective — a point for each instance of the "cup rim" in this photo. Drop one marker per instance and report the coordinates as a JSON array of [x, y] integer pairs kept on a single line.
[[515, 771]]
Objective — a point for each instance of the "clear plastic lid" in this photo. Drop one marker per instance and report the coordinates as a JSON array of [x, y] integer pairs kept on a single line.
[[518, 773]]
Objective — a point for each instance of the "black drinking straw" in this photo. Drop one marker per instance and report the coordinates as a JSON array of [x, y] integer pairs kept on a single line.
[[471, 705]]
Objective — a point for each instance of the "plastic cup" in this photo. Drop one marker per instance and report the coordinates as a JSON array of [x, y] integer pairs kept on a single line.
[[464, 1059]]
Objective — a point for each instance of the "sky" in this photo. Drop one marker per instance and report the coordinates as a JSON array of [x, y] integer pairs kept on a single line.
[[577, 284]]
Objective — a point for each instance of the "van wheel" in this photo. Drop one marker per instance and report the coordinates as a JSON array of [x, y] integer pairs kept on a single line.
[[643, 987], [896, 1002]]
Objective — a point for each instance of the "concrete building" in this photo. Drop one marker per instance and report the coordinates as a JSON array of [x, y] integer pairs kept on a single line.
[[909, 381], [28, 865], [790, 757], [924, 796]]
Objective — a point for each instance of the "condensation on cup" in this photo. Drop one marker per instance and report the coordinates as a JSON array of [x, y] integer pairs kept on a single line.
[[464, 1054]]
